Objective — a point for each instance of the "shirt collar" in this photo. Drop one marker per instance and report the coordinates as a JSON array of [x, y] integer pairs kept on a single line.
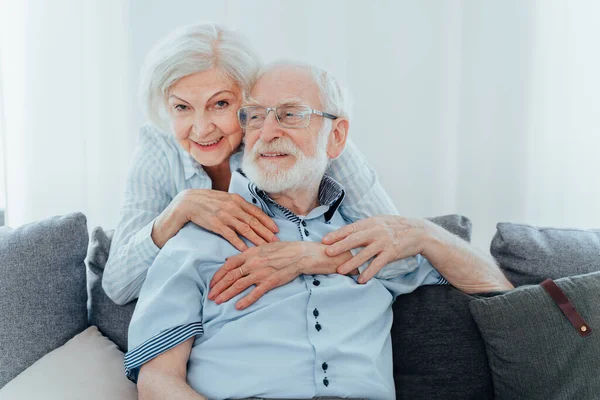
[[190, 165], [331, 194]]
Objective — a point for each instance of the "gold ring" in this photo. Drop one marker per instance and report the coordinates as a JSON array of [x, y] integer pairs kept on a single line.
[[241, 271]]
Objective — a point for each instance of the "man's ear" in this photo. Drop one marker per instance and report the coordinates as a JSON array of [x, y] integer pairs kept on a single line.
[[337, 137]]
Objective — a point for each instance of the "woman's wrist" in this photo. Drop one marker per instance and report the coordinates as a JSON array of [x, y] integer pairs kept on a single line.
[[317, 261], [166, 225]]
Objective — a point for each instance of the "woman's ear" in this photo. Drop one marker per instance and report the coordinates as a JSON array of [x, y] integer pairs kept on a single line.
[[337, 137]]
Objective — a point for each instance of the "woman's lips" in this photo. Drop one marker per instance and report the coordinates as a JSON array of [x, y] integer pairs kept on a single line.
[[208, 147]]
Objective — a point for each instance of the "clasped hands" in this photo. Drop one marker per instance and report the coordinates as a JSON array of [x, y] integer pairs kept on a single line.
[[270, 265]]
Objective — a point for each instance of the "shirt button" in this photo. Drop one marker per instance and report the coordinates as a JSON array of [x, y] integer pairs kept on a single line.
[[326, 382], [316, 313], [306, 232], [324, 366], [316, 282], [254, 200], [303, 223], [318, 327]]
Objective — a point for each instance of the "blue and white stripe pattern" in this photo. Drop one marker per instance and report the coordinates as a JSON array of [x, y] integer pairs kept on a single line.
[[161, 169], [157, 345]]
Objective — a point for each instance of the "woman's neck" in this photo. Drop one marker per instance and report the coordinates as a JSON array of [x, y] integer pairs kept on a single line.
[[220, 175]]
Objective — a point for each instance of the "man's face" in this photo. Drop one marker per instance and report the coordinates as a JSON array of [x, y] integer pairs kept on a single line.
[[277, 158]]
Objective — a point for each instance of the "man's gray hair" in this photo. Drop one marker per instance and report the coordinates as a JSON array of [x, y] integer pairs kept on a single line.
[[188, 50], [333, 93]]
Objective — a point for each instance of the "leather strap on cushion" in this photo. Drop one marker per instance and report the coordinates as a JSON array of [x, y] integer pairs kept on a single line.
[[568, 309]]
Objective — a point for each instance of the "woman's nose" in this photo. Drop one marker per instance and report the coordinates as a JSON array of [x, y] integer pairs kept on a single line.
[[202, 125]]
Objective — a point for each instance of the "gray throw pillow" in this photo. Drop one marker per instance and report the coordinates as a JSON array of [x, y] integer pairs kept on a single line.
[[42, 290], [528, 255], [534, 352], [110, 318]]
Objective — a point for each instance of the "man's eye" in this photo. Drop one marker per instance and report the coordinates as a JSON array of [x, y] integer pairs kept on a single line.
[[180, 107]]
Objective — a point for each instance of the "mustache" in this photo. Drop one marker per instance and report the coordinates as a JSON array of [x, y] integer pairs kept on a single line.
[[281, 145]]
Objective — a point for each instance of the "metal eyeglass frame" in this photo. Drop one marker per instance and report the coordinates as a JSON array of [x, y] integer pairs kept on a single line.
[[274, 109]]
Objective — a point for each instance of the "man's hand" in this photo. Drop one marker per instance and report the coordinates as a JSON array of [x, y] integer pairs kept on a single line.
[[269, 266]]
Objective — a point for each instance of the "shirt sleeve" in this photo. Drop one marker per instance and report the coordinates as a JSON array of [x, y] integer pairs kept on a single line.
[[423, 274], [168, 312], [365, 197], [132, 249]]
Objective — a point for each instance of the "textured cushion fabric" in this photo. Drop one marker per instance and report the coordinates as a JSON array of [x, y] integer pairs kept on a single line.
[[89, 366], [42, 290], [528, 255], [438, 351], [111, 318], [534, 352], [457, 224]]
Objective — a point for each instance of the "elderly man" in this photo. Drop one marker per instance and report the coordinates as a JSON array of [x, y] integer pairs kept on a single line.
[[316, 335]]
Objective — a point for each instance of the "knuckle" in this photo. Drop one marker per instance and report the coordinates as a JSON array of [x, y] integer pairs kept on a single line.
[[245, 228], [239, 285], [253, 221]]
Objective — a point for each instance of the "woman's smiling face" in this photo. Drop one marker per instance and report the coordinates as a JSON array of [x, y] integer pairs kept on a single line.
[[203, 114]]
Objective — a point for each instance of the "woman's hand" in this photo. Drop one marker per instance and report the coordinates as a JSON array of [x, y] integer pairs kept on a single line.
[[269, 266], [387, 238], [225, 214]]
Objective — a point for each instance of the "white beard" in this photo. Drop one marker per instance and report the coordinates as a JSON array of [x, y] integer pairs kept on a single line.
[[306, 171]]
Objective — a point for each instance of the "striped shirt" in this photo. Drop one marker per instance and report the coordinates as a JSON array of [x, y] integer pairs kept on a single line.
[[318, 335], [161, 169]]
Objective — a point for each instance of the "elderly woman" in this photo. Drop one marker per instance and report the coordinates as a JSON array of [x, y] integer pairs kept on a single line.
[[192, 84]]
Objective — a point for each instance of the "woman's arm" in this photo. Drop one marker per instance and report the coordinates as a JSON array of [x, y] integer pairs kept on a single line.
[[132, 249], [365, 197]]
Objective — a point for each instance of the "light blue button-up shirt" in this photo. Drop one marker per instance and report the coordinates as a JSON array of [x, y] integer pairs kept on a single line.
[[319, 335]]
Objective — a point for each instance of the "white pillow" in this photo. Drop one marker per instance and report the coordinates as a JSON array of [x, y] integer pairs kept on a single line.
[[89, 367]]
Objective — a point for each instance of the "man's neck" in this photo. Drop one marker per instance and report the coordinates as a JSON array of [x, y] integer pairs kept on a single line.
[[299, 201]]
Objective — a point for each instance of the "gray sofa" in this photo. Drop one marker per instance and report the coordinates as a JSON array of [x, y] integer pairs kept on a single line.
[[61, 337]]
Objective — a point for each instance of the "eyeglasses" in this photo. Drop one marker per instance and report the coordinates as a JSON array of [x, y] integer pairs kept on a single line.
[[290, 117]]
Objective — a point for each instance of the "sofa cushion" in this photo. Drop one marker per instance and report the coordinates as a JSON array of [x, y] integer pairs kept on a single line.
[[534, 352], [111, 318], [437, 349], [89, 366], [42, 290], [457, 224], [529, 255], [433, 324]]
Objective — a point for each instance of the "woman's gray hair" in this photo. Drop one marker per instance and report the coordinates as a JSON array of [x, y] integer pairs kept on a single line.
[[188, 50], [334, 95]]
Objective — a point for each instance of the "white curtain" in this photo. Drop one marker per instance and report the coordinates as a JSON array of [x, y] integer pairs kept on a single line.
[[485, 108], [67, 95]]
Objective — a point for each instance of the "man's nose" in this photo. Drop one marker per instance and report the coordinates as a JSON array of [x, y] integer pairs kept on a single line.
[[271, 128]]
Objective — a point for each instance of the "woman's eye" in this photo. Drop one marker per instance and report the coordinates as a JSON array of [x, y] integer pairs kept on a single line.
[[180, 107], [221, 104]]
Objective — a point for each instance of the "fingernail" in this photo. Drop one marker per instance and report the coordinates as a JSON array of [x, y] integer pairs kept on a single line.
[[210, 295], [361, 279]]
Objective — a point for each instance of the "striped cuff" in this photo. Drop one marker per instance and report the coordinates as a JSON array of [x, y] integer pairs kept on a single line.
[[157, 345], [442, 281]]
